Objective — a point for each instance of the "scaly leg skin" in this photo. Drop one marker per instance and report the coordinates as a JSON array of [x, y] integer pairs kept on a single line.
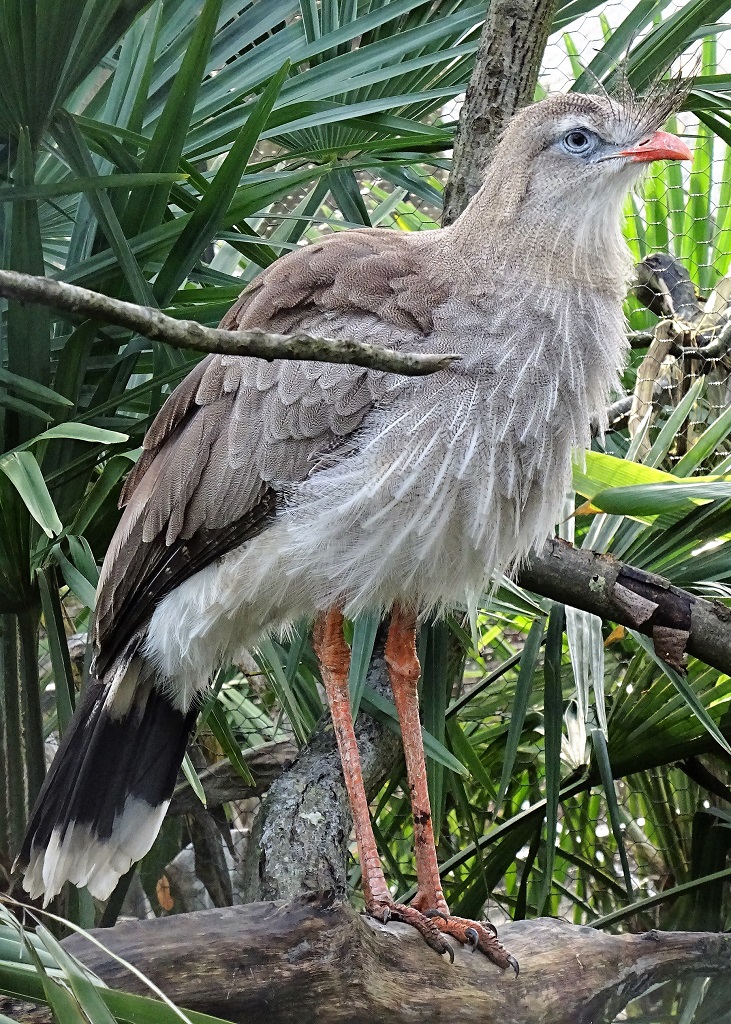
[[404, 670], [333, 654]]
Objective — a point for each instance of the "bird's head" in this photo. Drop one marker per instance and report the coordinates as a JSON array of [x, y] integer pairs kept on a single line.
[[593, 143], [563, 167]]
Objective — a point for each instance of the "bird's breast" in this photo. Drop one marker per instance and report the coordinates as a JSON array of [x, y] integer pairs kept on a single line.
[[467, 471], [452, 481]]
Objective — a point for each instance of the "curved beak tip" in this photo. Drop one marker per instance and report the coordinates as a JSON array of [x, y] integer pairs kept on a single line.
[[660, 146]]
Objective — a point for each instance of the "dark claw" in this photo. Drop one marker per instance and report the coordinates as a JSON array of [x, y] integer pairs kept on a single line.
[[386, 915], [514, 964], [472, 937], [435, 913], [450, 952], [490, 927]]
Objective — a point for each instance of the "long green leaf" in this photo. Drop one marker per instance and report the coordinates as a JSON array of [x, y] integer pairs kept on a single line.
[[76, 581], [385, 711], [46, 56], [660, 498], [665, 895], [27, 340], [523, 690], [194, 782], [553, 725], [63, 676], [365, 628], [654, 54], [638, 17], [32, 389], [210, 213], [221, 729], [146, 207], [17, 194], [25, 474], [436, 685], [79, 432], [271, 662], [87, 994], [103, 487], [705, 445], [686, 691], [65, 1008], [74, 148], [605, 772]]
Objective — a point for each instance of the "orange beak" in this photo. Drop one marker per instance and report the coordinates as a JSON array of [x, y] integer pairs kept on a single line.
[[660, 146]]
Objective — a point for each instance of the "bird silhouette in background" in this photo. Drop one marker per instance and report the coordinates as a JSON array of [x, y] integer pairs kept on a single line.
[[268, 492]]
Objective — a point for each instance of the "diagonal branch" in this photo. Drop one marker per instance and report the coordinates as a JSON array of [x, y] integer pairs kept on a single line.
[[677, 620], [189, 334]]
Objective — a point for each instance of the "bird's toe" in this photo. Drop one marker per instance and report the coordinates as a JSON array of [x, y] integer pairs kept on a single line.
[[433, 935], [478, 935]]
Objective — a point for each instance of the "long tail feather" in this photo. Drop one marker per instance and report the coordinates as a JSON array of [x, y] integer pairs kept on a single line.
[[107, 791]]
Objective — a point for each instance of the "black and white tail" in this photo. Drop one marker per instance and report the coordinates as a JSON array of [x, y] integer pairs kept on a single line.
[[104, 798]]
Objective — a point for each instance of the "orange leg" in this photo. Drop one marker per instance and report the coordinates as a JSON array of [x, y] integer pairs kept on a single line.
[[404, 670], [333, 655]]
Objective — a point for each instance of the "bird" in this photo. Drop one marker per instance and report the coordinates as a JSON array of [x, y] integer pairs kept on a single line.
[[268, 492]]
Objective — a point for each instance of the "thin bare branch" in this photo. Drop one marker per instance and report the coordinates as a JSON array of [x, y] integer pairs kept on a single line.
[[188, 334]]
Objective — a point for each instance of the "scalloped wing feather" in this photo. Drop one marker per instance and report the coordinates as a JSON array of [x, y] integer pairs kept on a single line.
[[237, 425]]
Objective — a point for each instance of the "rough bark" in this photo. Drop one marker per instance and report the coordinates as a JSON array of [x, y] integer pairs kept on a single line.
[[677, 621], [317, 960], [188, 334], [300, 838], [506, 72]]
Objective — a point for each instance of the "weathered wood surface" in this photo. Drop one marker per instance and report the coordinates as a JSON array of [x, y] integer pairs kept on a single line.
[[317, 960], [221, 782], [677, 621]]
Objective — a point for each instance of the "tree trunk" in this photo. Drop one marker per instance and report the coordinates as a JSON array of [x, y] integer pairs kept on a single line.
[[317, 960], [508, 60], [301, 835], [22, 763]]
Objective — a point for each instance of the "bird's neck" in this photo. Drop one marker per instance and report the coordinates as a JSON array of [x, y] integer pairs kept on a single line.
[[546, 243]]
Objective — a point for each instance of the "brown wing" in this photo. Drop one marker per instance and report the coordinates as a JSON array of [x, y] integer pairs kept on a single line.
[[236, 426]]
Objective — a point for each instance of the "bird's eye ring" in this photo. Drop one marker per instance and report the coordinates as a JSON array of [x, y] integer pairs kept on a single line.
[[577, 141]]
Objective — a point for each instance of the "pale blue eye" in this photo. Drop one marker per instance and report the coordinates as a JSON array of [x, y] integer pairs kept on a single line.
[[579, 141]]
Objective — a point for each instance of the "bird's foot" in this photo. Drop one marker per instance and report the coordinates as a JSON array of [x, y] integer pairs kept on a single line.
[[475, 935], [434, 925], [427, 927]]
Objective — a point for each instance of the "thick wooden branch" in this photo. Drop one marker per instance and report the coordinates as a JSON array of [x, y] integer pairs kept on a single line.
[[221, 781], [504, 79], [676, 620], [317, 960], [188, 334]]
